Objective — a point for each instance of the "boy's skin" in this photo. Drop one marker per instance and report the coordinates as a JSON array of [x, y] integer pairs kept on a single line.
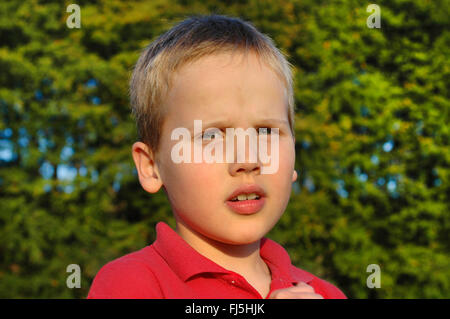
[[237, 92]]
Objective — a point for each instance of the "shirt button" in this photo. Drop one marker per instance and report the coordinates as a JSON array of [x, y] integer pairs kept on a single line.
[[232, 282]]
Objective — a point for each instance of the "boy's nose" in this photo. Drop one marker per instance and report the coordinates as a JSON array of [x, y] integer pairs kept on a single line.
[[247, 167], [239, 168]]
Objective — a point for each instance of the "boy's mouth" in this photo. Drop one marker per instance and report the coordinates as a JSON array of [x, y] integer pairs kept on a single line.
[[242, 197], [247, 199], [247, 192]]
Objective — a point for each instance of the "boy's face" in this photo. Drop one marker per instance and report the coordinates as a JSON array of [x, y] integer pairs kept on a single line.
[[229, 92]]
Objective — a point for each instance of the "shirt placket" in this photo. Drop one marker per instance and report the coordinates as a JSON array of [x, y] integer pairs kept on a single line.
[[279, 279], [239, 282], [278, 283]]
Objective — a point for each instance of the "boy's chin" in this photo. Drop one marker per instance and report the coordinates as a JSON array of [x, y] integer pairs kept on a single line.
[[241, 236], [233, 232]]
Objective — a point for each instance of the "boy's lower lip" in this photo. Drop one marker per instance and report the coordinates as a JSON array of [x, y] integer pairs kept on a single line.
[[246, 207]]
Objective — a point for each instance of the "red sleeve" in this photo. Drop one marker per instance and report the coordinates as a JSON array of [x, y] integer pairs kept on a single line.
[[327, 290], [125, 279]]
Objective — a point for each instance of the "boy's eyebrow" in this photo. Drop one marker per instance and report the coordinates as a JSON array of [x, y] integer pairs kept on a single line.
[[273, 122]]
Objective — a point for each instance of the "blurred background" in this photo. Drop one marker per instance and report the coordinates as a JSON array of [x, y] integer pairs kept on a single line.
[[372, 131]]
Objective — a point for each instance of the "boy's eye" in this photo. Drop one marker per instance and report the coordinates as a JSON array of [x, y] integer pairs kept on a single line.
[[264, 130], [210, 134]]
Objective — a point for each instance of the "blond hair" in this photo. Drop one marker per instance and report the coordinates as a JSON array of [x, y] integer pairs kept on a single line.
[[188, 41]]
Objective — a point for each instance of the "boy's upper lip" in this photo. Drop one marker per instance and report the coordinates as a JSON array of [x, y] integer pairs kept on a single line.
[[247, 189]]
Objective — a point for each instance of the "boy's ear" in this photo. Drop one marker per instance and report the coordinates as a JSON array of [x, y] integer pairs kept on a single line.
[[146, 167], [294, 173]]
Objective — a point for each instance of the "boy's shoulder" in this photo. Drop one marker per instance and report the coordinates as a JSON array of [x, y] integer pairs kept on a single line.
[[128, 277]]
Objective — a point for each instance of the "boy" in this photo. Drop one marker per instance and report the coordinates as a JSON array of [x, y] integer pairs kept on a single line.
[[223, 73]]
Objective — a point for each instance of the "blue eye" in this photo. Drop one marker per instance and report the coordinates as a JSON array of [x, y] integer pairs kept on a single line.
[[265, 130], [210, 134]]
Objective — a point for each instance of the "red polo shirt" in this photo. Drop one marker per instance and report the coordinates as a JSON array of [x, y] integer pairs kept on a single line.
[[170, 268]]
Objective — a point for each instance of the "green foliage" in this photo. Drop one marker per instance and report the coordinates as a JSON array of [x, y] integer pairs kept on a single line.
[[372, 132]]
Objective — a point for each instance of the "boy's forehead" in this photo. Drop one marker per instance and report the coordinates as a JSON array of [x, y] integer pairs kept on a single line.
[[221, 65], [218, 84]]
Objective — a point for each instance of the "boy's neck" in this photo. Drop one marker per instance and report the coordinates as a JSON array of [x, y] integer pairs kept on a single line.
[[242, 259]]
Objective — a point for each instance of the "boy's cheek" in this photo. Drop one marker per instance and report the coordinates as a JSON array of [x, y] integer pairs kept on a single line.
[[191, 176]]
